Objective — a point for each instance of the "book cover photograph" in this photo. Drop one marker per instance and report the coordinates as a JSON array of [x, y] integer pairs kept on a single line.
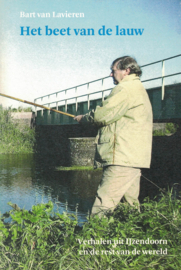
[[90, 128]]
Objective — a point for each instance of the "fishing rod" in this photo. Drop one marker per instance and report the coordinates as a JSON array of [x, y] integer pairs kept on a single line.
[[37, 105]]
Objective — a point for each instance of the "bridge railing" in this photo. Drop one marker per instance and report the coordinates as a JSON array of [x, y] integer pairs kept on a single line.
[[156, 74]]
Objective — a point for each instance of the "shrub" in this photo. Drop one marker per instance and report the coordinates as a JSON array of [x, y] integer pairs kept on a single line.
[[171, 128], [14, 139]]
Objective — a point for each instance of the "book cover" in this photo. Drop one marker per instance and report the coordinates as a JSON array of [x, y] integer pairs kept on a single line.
[[49, 46]]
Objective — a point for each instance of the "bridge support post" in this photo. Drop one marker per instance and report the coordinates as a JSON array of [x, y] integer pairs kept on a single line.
[[81, 151]]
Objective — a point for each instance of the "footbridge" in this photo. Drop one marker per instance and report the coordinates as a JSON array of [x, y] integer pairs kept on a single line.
[[161, 79]]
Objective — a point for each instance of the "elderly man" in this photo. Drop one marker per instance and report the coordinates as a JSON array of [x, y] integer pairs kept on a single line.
[[124, 138]]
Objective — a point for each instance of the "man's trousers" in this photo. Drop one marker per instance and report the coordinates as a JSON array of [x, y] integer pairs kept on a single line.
[[117, 181]]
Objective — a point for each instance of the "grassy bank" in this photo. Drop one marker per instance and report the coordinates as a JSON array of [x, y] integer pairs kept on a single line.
[[14, 139], [126, 239], [77, 168]]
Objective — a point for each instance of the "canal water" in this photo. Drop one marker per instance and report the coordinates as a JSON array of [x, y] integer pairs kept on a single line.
[[29, 179]]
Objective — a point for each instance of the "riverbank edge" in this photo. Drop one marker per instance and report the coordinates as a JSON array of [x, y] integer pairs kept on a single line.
[[41, 239], [77, 168]]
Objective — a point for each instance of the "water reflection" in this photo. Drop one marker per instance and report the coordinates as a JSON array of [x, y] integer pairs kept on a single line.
[[27, 180]]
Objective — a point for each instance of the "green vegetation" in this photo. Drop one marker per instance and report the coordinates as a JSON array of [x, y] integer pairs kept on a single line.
[[41, 239], [77, 168], [170, 128], [13, 138], [21, 109]]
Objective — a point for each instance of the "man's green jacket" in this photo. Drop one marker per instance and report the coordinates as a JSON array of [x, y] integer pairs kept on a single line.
[[125, 126]]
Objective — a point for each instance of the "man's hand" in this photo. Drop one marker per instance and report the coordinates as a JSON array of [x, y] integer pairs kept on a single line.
[[78, 118]]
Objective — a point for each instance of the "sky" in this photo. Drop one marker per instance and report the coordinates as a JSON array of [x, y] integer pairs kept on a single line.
[[38, 64]]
